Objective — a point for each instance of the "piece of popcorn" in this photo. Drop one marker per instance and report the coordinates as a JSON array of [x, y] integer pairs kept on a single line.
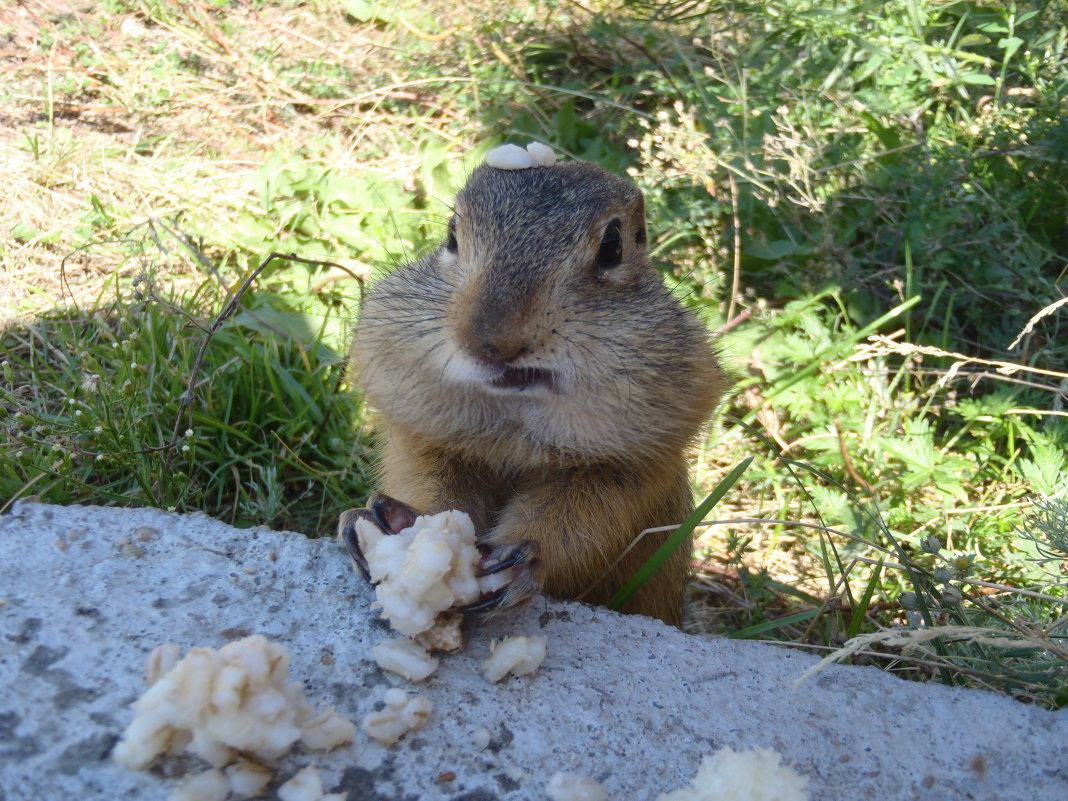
[[480, 738], [401, 715], [574, 787], [515, 655], [405, 658], [756, 775]]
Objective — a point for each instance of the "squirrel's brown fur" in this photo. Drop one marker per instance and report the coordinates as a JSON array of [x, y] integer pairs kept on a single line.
[[535, 372]]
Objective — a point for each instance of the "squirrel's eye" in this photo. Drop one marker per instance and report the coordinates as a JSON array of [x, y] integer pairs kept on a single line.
[[610, 253], [450, 243]]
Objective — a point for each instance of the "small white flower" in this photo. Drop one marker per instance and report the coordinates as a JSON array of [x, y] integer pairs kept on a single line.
[[71, 401], [100, 457], [189, 432], [185, 449], [77, 412], [98, 429], [133, 365]]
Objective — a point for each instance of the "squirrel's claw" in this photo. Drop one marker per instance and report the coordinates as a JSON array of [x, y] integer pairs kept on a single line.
[[388, 514], [487, 603], [523, 585], [524, 552], [346, 532]]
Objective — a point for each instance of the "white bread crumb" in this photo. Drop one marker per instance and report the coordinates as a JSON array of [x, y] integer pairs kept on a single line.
[[513, 157], [480, 738], [161, 661], [405, 658], [211, 785], [247, 779], [757, 775], [401, 715], [307, 785], [327, 730], [574, 787], [542, 155], [515, 655], [424, 570], [216, 703]]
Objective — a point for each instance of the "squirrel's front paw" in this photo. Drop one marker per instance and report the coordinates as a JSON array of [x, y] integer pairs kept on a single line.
[[521, 560], [388, 514], [506, 571]]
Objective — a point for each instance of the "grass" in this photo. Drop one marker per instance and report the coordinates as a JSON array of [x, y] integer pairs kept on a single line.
[[867, 202]]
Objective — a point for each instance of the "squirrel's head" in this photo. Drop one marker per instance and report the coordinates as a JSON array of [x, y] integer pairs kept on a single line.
[[538, 331], [527, 249]]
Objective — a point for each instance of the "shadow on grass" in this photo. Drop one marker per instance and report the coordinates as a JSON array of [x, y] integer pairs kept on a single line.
[[272, 436]]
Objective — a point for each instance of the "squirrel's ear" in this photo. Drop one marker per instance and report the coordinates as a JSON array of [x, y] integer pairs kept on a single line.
[[610, 251], [640, 236], [450, 242]]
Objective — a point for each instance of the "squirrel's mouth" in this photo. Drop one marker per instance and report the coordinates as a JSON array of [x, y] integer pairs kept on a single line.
[[518, 379]]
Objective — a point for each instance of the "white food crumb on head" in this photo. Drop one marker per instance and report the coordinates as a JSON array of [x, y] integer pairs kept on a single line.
[[513, 157], [574, 787], [542, 155], [756, 775], [515, 655]]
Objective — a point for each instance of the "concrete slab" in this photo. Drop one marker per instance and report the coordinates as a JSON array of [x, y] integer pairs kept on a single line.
[[88, 592]]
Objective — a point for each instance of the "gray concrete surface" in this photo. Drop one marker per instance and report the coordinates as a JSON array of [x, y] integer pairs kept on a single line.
[[86, 593]]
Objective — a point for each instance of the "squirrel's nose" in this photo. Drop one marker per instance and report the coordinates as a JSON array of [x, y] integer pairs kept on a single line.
[[499, 351], [493, 324]]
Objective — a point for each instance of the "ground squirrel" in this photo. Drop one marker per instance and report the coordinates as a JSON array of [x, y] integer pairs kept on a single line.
[[535, 372]]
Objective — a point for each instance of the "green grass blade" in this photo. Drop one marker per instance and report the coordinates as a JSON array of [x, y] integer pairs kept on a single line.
[[771, 625], [861, 609], [835, 351], [679, 536]]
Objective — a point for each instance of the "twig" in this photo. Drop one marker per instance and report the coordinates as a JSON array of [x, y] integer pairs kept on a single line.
[[980, 583], [878, 345], [848, 462], [736, 223], [186, 405]]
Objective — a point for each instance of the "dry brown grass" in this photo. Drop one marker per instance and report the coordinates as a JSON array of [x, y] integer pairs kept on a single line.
[[160, 111]]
